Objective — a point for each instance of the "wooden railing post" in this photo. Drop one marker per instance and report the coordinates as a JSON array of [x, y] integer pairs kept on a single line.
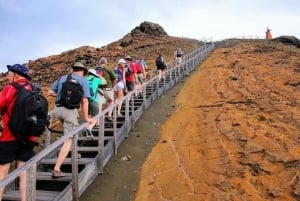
[[31, 183], [100, 159], [74, 159]]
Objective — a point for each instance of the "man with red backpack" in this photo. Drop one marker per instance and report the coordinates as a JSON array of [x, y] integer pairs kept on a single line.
[[130, 74], [140, 66], [12, 149]]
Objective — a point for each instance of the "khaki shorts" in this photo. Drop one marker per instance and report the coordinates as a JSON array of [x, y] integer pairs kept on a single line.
[[110, 94], [68, 117]]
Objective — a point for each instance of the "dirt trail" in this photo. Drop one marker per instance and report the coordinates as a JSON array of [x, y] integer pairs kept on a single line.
[[235, 134]]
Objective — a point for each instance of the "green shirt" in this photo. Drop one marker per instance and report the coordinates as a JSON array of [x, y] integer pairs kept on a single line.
[[108, 74], [94, 83]]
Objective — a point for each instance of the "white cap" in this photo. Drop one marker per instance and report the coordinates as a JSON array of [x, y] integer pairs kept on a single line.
[[93, 72], [122, 61]]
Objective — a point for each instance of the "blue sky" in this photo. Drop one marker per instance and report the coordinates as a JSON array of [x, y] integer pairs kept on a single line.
[[31, 29]]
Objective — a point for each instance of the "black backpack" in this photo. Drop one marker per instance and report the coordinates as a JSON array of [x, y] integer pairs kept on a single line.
[[159, 62], [128, 70], [29, 115], [178, 53], [71, 93]]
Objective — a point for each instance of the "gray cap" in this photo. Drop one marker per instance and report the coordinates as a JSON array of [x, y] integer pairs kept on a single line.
[[103, 60]]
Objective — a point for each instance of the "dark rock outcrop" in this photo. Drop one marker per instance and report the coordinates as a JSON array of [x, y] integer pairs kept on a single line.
[[290, 40], [150, 29]]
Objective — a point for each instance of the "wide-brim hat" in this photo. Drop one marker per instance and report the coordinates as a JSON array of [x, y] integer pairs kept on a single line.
[[19, 69], [93, 72], [128, 58], [80, 65]]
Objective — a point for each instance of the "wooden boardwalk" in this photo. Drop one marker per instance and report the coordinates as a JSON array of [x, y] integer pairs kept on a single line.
[[89, 156]]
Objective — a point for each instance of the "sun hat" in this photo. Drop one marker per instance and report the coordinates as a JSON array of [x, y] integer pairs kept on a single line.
[[19, 69], [122, 61], [93, 72], [128, 58], [80, 65]]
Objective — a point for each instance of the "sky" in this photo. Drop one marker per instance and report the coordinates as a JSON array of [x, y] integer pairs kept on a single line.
[[32, 29]]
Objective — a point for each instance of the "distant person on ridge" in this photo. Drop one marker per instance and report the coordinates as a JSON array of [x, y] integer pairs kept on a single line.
[[66, 109], [111, 79], [268, 34], [12, 149]]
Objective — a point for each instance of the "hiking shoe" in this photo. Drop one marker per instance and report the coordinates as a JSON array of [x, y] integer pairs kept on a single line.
[[84, 133], [96, 127], [58, 174], [89, 134], [109, 118]]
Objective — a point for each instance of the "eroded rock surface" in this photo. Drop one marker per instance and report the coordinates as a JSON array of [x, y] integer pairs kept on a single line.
[[235, 135]]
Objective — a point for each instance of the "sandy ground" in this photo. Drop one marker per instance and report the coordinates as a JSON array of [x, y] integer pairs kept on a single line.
[[231, 134], [120, 179], [235, 133]]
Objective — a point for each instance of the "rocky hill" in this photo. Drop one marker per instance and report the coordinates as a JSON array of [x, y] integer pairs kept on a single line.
[[146, 40]]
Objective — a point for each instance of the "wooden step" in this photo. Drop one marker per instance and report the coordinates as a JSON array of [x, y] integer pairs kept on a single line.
[[47, 176], [52, 161], [41, 195], [95, 138], [87, 149]]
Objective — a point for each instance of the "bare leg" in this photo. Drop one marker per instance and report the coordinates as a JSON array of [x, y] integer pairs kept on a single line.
[[22, 182], [63, 154], [159, 74], [119, 95], [110, 111], [3, 173]]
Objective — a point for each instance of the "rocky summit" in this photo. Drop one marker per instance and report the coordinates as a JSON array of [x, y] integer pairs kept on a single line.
[[146, 40]]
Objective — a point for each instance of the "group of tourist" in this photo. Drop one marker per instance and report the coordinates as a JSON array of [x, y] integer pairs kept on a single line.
[[95, 87]]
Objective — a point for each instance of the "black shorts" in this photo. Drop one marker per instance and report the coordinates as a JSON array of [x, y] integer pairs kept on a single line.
[[162, 68], [130, 86], [15, 150]]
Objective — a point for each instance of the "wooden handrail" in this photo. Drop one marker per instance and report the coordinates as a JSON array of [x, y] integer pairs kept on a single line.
[[189, 62]]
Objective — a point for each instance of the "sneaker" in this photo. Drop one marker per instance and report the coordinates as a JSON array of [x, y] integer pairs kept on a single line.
[[120, 115]]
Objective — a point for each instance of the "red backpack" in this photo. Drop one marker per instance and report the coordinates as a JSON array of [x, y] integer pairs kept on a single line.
[[138, 67]]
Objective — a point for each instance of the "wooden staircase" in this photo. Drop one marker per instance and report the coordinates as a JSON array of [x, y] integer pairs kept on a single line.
[[92, 154]]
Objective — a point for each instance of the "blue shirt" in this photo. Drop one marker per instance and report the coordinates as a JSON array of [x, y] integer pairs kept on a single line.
[[57, 85]]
